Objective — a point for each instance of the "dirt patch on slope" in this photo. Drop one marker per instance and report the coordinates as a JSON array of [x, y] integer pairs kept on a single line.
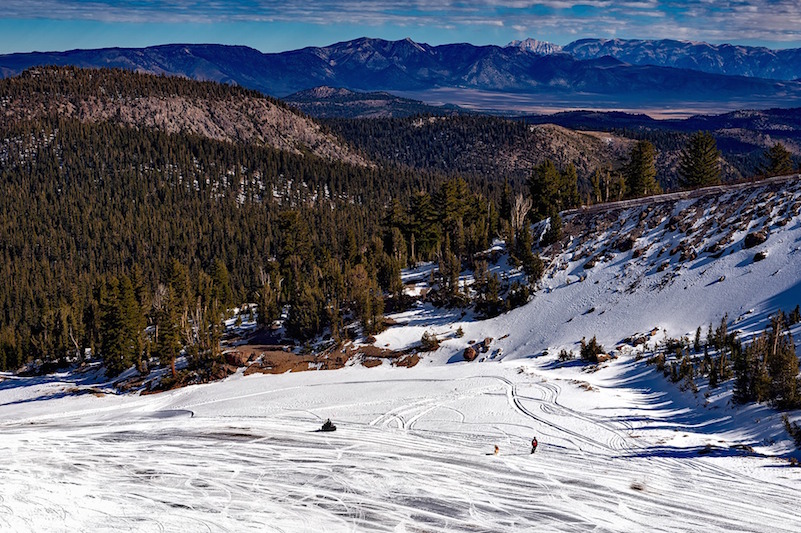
[[268, 360]]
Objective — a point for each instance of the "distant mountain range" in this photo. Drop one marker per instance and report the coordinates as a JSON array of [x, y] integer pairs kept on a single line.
[[727, 59], [530, 67]]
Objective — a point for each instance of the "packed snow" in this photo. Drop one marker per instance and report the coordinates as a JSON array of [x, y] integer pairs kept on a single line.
[[413, 452]]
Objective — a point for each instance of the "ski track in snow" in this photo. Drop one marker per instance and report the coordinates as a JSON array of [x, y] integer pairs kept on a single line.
[[412, 454]]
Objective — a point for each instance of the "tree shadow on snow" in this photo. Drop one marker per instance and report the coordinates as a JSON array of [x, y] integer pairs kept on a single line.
[[573, 363], [72, 384], [674, 452], [662, 406]]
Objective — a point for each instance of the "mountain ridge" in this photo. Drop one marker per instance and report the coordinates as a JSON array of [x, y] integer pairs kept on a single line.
[[726, 59], [369, 64], [173, 105], [338, 102]]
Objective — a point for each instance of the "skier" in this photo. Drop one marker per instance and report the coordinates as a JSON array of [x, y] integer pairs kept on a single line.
[[328, 426], [534, 444]]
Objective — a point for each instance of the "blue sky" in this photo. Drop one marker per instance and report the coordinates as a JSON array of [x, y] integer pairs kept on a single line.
[[272, 26]]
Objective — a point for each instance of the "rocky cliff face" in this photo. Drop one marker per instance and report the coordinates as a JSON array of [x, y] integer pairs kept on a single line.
[[534, 46]]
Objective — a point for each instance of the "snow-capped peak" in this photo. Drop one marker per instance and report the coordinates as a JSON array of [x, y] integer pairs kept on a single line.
[[534, 46]]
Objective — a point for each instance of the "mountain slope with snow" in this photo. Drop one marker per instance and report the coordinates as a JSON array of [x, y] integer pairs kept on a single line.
[[674, 263], [536, 47], [621, 448], [728, 59], [413, 451]]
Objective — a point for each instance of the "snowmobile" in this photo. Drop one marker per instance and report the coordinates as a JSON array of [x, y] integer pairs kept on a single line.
[[328, 426]]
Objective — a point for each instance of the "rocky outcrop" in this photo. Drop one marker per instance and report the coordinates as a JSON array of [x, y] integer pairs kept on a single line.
[[755, 238]]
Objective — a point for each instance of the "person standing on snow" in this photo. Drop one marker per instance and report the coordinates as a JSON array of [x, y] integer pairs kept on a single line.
[[534, 444]]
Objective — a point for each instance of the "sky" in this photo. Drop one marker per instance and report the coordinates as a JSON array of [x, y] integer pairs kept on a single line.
[[274, 26]]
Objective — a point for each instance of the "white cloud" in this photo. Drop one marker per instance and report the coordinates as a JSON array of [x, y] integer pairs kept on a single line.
[[717, 20]]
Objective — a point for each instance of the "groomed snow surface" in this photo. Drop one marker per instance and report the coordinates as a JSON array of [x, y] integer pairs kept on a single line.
[[621, 448], [413, 452]]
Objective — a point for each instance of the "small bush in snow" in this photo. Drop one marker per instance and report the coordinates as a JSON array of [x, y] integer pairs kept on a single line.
[[795, 316], [429, 342], [566, 355], [591, 350], [793, 429]]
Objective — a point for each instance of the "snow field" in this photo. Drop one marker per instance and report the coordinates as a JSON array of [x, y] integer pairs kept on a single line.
[[413, 452]]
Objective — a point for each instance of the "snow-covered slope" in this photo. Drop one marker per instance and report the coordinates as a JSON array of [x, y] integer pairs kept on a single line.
[[621, 449], [413, 452], [674, 265]]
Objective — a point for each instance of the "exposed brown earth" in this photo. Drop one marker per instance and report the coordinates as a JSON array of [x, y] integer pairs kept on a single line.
[[267, 360]]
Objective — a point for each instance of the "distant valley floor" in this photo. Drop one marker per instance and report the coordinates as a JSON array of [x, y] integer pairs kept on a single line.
[[509, 103]]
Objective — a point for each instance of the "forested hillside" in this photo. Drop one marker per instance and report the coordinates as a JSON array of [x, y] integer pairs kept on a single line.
[[171, 104], [742, 136], [330, 102], [82, 202], [492, 148], [106, 229]]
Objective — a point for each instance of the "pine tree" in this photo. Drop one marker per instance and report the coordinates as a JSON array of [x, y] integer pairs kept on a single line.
[[554, 231], [795, 316], [743, 386], [640, 171], [778, 161], [269, 310], [221, 281], [532, 263], [713, 375], [167, 318], [423, 226], [597, 194], [699, 164], [304, 321], [568, 188], [767, 370], [490, 302], [782, 365], [552, 190], [506, 201], [374, 323], [122, 325], [543, 186]]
